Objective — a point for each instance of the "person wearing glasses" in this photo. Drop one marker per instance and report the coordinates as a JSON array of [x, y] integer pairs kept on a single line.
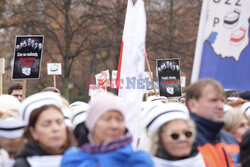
[[172, 135]]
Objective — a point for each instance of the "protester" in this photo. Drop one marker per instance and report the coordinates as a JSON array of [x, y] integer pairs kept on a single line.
[[205, 101], [245, 150], [109, 142], [172, 134], [16, 90], [236, 122], [48, 136], [11, 130], [78, 115]]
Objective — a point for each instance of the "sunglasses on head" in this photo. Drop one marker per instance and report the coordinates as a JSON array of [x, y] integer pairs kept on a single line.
[[175, 136]]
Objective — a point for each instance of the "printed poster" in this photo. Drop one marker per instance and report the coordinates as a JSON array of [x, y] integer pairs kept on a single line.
[[27, 57], [169, 77]]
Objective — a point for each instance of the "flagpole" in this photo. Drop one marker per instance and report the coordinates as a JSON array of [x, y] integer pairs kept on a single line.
[[1, 76], [150, 74]]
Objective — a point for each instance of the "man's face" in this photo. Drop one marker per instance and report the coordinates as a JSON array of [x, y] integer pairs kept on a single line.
[[209, 105], [18, 94]]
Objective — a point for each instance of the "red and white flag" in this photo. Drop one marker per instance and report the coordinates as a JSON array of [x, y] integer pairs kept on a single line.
[[126, 31], [132, 64]]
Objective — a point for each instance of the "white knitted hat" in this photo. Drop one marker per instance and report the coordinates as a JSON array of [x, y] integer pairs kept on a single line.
[[163, 113], [38, 100], [100, 104], [78, 112]]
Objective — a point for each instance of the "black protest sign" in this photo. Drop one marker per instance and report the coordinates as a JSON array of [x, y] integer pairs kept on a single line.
[[27, 57], [169, 77]]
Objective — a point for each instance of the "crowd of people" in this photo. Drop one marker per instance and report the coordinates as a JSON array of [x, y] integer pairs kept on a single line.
[[202, 129]]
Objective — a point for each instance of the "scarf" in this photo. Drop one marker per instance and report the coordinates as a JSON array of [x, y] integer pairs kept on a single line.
[[107, 146]]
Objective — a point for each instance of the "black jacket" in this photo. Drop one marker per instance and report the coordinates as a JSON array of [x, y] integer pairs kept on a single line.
[[30, 149]]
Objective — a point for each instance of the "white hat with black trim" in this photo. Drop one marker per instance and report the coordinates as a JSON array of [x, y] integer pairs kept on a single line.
[[39, 100], [162, 99], [246, 108], [148, 107], [78, 112], [11, 127], [163, 113]]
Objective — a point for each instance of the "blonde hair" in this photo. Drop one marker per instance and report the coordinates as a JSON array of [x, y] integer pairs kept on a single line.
[[232, 119]]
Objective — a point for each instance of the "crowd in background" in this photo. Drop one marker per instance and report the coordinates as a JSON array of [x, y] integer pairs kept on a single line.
[[204, 128]]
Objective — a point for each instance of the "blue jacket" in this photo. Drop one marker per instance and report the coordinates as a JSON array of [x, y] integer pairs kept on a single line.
[[124, 157], [218, 148]]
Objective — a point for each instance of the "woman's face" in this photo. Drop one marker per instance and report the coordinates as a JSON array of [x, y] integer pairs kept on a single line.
[[243, 127], [50, 130], [177, 138], [109, 127]]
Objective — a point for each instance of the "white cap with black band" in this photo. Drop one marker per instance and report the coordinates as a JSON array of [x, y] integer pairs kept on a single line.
[[246, 108], [11, 128], [39, 100], [164, 113]]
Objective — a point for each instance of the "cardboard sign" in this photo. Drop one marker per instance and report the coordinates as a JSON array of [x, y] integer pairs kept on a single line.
[[27, 57], [169, 77], [103, 79], [54, 68]]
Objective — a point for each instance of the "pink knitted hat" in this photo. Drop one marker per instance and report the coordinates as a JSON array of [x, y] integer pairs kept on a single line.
[[100, 104]]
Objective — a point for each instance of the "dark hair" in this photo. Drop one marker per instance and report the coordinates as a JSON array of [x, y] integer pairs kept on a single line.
[[245, 149], [15, 86], [194, 91], [81, 134], [51, 89], [32, 122]]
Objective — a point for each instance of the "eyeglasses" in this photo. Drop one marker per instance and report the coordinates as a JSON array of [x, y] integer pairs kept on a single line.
[[175, 136]]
